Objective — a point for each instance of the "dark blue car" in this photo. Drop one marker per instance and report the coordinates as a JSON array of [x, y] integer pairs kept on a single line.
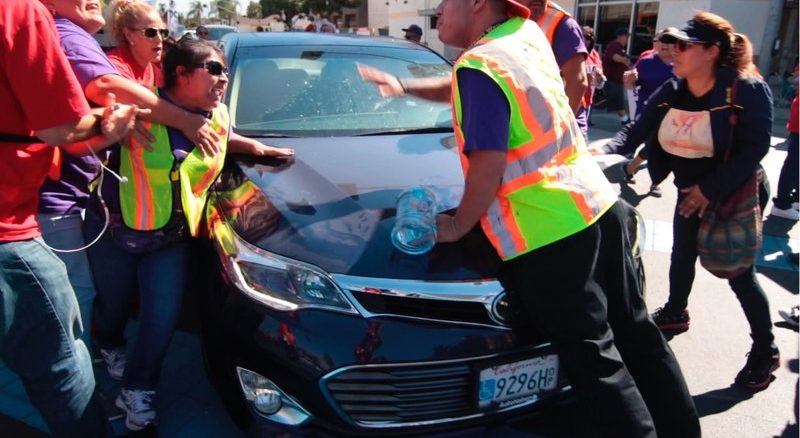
[[312, 321]]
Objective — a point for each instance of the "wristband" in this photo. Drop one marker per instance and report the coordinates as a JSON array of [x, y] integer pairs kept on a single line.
[[403, 85]]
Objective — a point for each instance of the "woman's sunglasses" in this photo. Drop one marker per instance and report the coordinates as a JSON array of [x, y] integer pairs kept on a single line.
[[152, 32], [214, 68], [683, 46]]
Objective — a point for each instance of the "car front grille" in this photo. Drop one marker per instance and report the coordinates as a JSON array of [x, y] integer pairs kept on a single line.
[[403, 395], [411, 395], [458, 311]]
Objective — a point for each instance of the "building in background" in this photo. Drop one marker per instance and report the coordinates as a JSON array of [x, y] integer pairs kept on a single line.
[[771, 25]]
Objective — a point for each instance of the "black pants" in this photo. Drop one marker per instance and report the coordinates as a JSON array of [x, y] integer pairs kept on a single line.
[[583, 295], [745, 286], [787, 182]]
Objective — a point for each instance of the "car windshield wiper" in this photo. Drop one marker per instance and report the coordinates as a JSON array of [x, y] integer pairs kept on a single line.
[[429, 130]]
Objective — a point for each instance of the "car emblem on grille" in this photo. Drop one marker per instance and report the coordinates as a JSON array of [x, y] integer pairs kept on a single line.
[[501, 309]]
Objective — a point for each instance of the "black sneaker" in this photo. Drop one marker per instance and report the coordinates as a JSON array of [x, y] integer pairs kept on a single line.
[[757, 372], [668, 320]]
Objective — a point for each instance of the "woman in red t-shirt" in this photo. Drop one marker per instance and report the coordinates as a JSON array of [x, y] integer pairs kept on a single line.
[[140, 33]]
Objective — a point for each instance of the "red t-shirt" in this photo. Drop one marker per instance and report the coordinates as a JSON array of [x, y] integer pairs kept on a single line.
[[794, 118], [37, 91], [592, 59], [613, 69], [127, 66]]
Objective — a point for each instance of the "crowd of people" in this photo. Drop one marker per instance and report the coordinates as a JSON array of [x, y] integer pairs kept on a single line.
[[102, 188]]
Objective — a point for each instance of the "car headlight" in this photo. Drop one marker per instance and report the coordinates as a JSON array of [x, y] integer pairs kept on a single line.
[[278, 282]]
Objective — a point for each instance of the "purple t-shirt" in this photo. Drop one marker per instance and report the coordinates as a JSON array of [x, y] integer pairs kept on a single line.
[[69, 194], [568, 40], [485, 112], [653, 72]]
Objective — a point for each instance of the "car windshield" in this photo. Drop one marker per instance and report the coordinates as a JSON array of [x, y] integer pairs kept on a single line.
[[317, 91], [216, 33]]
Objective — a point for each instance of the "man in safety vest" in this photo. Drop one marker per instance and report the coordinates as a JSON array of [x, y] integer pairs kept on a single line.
[[566, 39], [553, 218]]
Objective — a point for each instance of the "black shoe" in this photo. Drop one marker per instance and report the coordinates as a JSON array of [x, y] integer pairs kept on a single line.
[[655, 191], [668, 320], [757, 372], [628, 177]]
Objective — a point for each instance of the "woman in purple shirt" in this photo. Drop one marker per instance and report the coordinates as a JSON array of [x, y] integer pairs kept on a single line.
[[62, 200]]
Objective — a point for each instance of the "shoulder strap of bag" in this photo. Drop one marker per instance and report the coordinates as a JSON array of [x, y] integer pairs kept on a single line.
[[732, 118], [13, 138]]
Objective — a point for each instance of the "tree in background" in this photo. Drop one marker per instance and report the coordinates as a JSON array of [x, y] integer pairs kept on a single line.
[[290, 8], [254, 10], [195, 15], [285, 8]]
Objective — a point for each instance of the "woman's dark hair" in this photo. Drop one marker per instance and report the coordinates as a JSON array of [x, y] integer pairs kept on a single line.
[[190, 54], [735, 51], [588, 34]]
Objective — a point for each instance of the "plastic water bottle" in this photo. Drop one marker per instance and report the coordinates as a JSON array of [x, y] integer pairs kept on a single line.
[[414, 230]]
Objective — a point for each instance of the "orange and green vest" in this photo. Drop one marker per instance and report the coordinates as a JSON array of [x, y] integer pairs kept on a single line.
[[146, 199], [549, 21], [552, 187]]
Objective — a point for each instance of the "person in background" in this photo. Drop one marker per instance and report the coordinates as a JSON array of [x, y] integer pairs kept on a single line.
[[594, 71], [327, 27], [785, 203], [40, 324], [259, 29], [652, 69], [688, 121], [615, 63], [311, 27], [147, 247], [413, 33], [566, 39], [202, 33]]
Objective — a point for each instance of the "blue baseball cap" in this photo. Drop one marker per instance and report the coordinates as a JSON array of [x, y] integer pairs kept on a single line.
[[413, 29]]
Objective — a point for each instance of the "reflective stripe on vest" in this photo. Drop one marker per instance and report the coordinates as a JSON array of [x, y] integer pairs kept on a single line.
[[146, 199], [551, 187], [549, 21]]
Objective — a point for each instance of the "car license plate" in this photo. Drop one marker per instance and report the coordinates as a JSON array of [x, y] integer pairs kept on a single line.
[[517, 382]]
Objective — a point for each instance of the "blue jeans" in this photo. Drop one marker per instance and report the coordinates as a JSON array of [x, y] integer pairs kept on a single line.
[[66, 232], [39, 330], [161, 276]]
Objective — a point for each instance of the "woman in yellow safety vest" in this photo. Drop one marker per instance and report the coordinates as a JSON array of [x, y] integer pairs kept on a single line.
[[153, 211]]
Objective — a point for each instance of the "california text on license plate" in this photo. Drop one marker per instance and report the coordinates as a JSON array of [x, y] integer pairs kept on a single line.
[[517, 381]]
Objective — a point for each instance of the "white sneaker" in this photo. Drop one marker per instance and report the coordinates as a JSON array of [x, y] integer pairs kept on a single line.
[[138, 404], [115, 362], [791, 315], [787, 213]]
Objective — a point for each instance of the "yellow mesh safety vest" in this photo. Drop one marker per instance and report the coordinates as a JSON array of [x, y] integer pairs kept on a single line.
[[146, 199], [549, 21], [552, 187]]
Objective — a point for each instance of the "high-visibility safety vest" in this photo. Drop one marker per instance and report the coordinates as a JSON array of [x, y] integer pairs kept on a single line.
[[552, 187], [146, 199], [549, 21]]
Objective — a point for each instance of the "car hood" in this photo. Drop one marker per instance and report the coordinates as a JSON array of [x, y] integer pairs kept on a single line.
[[333, 205]]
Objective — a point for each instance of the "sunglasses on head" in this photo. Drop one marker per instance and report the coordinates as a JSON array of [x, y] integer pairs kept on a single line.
[[152, 32], [214, 68]]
